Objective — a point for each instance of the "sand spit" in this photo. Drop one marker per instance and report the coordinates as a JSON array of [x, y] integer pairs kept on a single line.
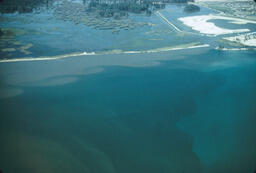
[[48, 58], [236, 49], [165, 49], [202, 24]]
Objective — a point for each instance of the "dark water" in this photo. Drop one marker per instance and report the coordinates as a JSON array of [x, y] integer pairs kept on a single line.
[[161, 111], [192, 114]]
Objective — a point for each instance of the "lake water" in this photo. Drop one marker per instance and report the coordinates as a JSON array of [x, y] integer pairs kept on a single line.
[[176, 111]]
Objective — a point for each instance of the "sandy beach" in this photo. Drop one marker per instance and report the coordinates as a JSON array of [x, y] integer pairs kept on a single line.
[[202, 24], [113, 52], [244, 39]]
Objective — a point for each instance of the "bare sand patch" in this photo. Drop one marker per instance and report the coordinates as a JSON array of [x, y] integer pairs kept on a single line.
[[202, 24]]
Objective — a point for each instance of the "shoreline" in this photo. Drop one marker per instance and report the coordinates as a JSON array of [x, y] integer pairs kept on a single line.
[[204, 3], [235, 49], [201, 24], [248, 39], [113, 52]]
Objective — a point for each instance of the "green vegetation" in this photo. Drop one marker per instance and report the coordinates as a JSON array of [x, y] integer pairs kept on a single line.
[[191, 8], [1, 32], [110, 8], [22, 6], [120, 9]]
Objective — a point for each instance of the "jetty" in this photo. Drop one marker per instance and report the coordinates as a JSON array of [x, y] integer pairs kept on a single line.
[[168, 22]]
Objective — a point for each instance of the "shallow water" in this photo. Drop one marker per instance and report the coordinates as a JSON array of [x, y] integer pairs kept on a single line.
[[175, 111], [192, 114], [50, 36]]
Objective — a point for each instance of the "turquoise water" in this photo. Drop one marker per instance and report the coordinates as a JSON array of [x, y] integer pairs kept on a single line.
[[189, 114], [175, 111]]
